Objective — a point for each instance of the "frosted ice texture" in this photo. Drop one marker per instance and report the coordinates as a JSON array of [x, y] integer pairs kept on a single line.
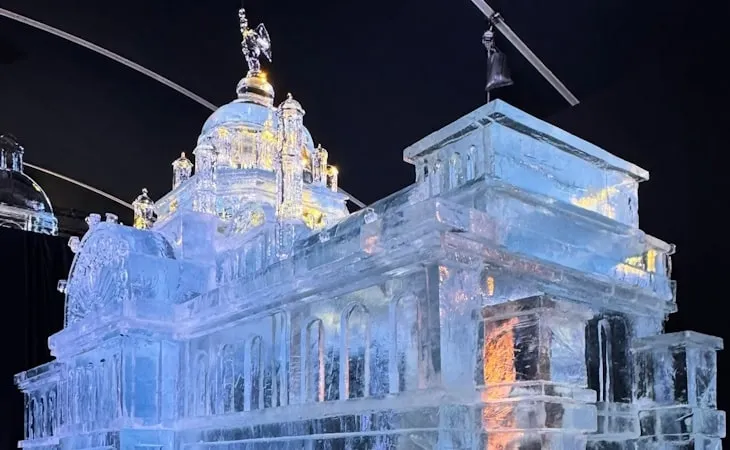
[[506, 300]]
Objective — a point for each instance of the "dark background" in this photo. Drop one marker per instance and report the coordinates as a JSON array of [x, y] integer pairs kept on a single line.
[[374, 77]]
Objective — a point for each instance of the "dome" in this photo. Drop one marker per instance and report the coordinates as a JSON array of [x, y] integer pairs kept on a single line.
[[291, 104], [238, 113], [18, 190]]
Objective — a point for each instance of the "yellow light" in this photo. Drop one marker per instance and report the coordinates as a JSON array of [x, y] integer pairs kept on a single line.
[[598, 202], [651, 260], [443, 273], [490, 286]]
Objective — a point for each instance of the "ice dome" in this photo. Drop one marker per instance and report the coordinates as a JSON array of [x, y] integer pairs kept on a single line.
[[18, 190], [23, 203], [250, 111], [238, 113]]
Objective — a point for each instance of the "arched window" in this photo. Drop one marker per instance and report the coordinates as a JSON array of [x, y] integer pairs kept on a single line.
[[251, 259], [313, 370], [78, 399], [436, 177], [607, 356], [90, 392], [279, 358], [239, 384], [456, 174], [605, 365], [200, 385], [355, 354], [51, 413], [71, 397], [400, 345], [40, 419], [227, 391], [31, 419], [471, 163], [256, 366]]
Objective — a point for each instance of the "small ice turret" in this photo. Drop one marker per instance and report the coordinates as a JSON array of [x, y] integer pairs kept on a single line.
[[319, 166], [333, 175], [144, 211], [289, 170], [289, 173], [182, 168]]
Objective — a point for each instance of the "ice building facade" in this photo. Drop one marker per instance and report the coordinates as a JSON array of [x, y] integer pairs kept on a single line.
[[23, 203], [505, 300]]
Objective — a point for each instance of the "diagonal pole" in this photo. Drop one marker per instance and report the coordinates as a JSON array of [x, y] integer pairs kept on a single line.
[[515, 40], [132, 65]]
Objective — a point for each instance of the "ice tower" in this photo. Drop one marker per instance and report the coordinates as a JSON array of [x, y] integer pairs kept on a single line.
[[505, 300]]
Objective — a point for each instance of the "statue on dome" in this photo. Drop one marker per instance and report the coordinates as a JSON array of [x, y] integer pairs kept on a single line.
[[256, 42]]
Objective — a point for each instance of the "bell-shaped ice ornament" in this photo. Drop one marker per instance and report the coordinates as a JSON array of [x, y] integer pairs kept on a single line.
[[497, 71]]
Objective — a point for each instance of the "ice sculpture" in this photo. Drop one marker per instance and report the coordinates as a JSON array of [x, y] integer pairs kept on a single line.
[[506, 300], [23, 203]]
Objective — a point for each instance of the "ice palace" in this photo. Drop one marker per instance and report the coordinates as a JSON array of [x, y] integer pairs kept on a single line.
[[505, 300]]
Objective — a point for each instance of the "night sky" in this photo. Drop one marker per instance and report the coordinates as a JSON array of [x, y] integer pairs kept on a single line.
[[377, 76]]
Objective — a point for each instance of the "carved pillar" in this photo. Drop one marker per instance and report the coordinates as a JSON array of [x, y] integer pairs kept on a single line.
[[675, 386], [533, 372]]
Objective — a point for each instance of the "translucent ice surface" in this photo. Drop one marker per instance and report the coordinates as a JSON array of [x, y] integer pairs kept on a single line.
[[505, 300]]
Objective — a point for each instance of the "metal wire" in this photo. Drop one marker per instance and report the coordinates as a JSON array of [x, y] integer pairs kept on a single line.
[[79, 183], [109, 54], [132, 65]]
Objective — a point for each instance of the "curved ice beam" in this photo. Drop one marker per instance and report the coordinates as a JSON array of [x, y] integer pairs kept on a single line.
[[132, 65], [109, 54], [79, 183]]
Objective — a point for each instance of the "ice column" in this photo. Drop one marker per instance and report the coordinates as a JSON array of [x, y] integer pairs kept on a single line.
[[319, 166], [289, 173], [333, 175], [205, 156], [182, 168], [532, 371], [675, 388]]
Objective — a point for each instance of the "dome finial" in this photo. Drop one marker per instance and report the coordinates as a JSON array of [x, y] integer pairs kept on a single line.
[[291, 104], [254, 87], [256, 42]]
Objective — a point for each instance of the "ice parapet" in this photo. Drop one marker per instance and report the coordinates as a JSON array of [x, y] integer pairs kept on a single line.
[[488, 305]]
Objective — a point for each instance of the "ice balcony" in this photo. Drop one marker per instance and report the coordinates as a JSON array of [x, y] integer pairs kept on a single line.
[[506, 144]]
